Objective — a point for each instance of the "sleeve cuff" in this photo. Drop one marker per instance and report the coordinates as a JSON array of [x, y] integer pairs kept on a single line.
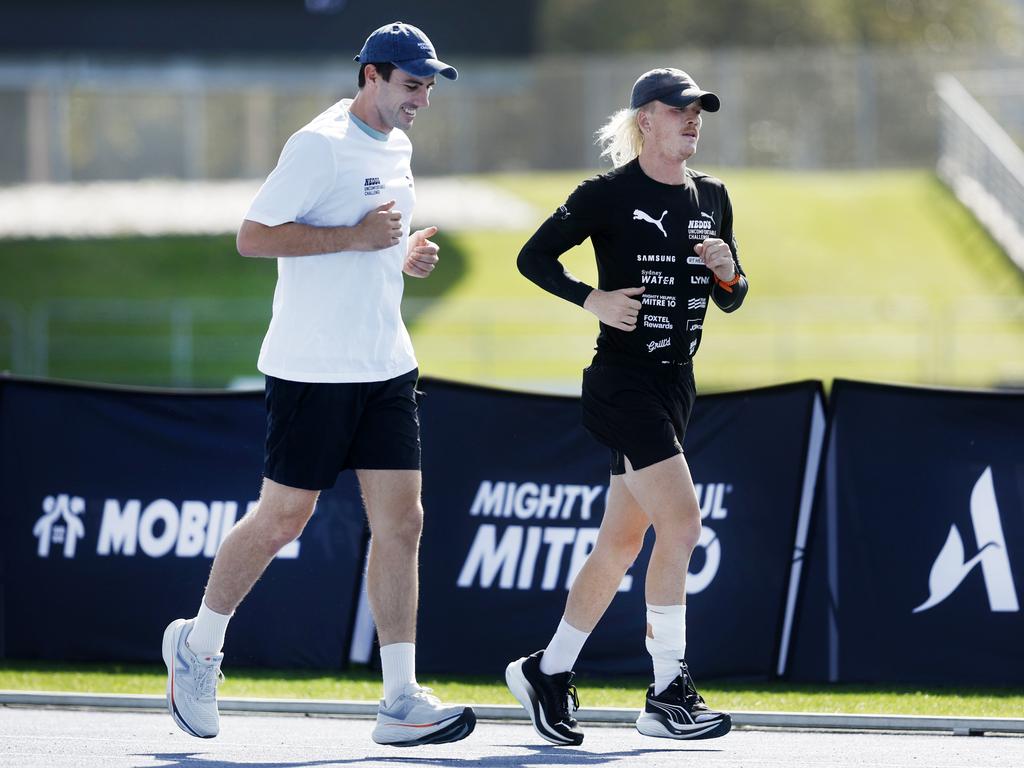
[[267, 219]]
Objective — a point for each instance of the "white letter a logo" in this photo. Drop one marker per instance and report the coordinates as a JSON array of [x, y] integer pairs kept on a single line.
[[951, 568]]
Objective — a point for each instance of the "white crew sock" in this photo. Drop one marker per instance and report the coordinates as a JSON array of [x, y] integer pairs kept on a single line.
[[207, 635], [398, 665], [563, 650], [666, 642]]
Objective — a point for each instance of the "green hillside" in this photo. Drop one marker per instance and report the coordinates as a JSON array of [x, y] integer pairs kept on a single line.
[[873, 275]]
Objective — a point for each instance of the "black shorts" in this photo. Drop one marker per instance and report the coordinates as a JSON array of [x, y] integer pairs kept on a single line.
[[639, 411], [314, 431]]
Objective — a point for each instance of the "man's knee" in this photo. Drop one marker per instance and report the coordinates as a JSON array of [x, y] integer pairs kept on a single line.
[[283, 525], [621, 550], [403, 528], [289, 526], [681, 530], [282, 514]]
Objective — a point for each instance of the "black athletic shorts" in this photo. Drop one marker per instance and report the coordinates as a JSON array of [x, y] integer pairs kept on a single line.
[[314, 431], [638, 410]]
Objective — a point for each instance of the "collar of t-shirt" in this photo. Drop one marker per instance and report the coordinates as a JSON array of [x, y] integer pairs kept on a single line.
[[373, 133]]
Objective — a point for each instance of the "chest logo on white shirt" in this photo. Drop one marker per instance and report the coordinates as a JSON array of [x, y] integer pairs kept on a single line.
[[372, 186], [639, 215]]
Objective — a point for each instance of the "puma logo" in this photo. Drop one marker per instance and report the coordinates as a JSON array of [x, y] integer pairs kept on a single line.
[[639, 215], [708, 216]]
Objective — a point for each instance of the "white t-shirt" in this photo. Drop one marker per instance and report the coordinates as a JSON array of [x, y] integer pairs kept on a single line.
[[337, 316]]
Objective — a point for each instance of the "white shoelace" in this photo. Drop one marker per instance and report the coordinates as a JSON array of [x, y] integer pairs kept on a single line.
[[208, 677], [426, 694]]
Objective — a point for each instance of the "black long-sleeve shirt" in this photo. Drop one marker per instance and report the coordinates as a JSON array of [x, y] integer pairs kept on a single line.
[[643, 234]]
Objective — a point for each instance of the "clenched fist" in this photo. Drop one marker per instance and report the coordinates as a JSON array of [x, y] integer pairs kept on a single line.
[[717, 257], [380, 228]]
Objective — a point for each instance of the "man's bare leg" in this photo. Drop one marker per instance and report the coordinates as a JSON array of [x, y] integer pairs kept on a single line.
[[673, 709], [665, 492], [395, 515], [277, 519], [191, 647], [618, 543], [408, 716], [671, 504]]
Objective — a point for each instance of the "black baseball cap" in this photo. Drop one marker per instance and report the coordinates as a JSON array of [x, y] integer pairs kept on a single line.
[[673, 87], [407, 48]]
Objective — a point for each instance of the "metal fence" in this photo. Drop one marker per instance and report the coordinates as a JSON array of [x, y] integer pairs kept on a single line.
[[980, 161], [83, 120], [535, 343]]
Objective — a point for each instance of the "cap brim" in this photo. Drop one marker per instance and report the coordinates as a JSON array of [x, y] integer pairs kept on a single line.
[[427, 68], [708, 101]]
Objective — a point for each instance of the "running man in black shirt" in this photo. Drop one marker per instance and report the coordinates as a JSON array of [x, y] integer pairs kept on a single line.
[[662, 235]]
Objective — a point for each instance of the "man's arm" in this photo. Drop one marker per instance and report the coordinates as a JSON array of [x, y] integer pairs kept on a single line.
[[721, 255], [380, 228], [539, 262]]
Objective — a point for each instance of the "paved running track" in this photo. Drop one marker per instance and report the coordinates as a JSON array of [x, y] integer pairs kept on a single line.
[[58, 738]]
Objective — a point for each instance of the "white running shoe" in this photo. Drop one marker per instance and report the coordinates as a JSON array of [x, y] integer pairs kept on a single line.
[[191, 682], [417, 717]]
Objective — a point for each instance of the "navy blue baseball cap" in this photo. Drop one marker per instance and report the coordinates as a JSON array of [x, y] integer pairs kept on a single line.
[[407, 48], [673, 87]]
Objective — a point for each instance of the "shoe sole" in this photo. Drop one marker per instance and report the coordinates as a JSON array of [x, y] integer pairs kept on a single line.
[[457, 730], [520, 687], [661, 728], [168, 651]]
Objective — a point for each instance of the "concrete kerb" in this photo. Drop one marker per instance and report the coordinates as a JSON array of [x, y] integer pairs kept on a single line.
[[961, 726]]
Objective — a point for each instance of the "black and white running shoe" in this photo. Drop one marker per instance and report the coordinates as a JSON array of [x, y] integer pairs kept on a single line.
[[546, 698], [679, 712]]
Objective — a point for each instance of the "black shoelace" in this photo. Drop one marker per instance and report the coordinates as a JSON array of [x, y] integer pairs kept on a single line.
[[690, 695], [573, 697]]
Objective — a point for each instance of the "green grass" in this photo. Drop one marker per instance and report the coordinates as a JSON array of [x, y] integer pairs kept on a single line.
[[620, 692], [123, 328], [876, 275]]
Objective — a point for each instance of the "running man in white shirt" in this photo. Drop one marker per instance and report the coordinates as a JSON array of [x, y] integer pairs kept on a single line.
[[340, 379]]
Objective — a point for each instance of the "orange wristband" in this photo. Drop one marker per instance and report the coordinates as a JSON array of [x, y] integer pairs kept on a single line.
[[727, 286]]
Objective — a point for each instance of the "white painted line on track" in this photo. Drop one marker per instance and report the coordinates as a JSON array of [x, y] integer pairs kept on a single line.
[[501, 712]]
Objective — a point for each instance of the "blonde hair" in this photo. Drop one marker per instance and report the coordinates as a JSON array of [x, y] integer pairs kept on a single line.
[[620, 138]]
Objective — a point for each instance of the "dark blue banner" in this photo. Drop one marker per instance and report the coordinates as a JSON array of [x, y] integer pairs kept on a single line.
[[514, 493], [112, 505], [916, 563]]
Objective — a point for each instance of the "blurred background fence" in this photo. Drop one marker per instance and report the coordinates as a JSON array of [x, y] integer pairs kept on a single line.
[[980, 156], [88, 119], [531, 343], [862, 265]]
